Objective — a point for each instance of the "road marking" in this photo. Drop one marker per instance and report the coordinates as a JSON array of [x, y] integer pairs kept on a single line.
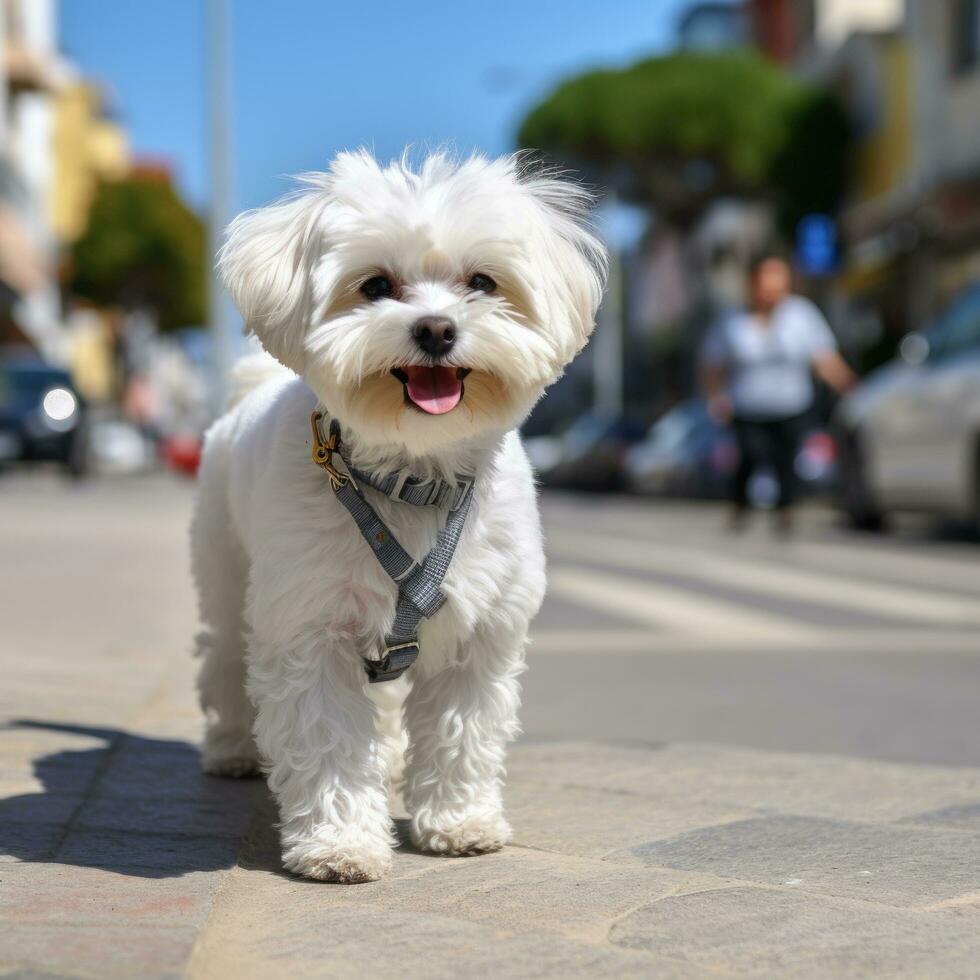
[[768, 579], [622, 640], [822, 642], [675, 609], [906, 563], [904, 568]]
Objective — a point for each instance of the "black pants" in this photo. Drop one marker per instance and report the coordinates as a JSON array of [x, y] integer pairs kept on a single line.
[[772, 441]]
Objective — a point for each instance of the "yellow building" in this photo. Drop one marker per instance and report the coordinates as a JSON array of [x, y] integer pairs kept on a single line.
[[88, 147], [912, 224], [56, 143]]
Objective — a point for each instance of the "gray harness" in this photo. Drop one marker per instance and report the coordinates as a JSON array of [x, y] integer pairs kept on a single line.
[[419, 585]]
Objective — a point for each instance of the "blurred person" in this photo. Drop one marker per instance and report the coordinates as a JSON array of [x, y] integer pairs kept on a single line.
[[757, 367]]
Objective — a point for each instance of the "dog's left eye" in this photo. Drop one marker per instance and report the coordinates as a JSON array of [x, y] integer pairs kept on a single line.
[[482, 283], [378, 287]]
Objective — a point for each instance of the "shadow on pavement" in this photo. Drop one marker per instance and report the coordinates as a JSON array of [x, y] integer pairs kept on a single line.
[[137, 806], [141, 807]]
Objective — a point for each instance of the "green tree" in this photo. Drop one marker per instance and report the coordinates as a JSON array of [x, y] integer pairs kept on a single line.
[[675, 132], [143, 247]]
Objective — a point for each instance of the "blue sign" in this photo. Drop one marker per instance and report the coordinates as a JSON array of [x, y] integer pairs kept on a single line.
[[816, 245]]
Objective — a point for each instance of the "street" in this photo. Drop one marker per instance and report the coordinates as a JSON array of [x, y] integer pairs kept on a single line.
[[741, 756], [830, 642]]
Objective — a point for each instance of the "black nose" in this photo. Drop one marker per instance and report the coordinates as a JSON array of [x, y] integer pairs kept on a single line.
[[435, 335]]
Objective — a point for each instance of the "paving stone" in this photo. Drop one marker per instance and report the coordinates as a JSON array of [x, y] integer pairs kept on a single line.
[[99, 952], [578, 763], [594, 823], [166, 770], [28, 841], [516, 890], [768, 933], [158, 855], [813, 785], [963, 817], [260, 848], [889, 864], [29, 974], [18, 782], [225, 814], [73, 895], [38, 808], [64, 773], [24, 742], [528, 888], [355, 937]]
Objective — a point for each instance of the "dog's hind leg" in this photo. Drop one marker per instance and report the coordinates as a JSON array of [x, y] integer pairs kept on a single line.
[[221, 573]]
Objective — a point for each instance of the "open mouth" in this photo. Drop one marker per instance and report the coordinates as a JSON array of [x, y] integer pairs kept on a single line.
[[435, 389]]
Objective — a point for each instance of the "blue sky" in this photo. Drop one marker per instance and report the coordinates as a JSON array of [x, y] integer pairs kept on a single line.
[[311, 77]]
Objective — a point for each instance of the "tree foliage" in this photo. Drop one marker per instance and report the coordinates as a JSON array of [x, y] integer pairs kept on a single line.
[[143, 248], [676, 131]]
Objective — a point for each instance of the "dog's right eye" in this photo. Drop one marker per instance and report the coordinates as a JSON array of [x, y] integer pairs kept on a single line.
[[377, 287]]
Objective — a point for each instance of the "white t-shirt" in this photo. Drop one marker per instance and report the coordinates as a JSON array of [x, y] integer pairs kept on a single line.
[[768, 364]]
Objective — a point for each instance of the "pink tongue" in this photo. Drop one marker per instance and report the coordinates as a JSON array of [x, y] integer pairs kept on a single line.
[[435, 390]]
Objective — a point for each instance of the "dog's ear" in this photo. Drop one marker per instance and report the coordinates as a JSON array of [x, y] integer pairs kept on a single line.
[[575, 257], [266, 263]]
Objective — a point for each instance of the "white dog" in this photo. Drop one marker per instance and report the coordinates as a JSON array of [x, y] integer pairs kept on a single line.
[[422, 312]]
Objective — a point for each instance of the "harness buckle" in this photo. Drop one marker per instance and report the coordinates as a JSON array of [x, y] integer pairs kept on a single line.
[[460, 490], [322, 454], [395, 660]]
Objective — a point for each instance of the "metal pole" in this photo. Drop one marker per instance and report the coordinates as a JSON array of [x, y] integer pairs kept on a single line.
[[4, 110], [607, 347], [222, 315]]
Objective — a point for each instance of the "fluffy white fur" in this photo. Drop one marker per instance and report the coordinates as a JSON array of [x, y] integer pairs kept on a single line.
[[290, 595]]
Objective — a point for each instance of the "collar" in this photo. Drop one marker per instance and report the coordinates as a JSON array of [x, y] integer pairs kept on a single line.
[[399, 485]]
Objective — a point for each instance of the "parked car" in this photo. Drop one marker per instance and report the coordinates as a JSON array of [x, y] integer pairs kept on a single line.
[[687, 454], [588, 456], [42, 416], [910, 432]]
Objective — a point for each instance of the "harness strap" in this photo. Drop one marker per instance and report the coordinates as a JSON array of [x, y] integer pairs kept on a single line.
[[403, 487], [420, 595]]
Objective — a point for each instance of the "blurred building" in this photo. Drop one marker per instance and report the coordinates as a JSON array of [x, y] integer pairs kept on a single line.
[[88, 146], [904, 238], [781, 28], [909, 73], [56, 142], [32, 73], [792, 30]]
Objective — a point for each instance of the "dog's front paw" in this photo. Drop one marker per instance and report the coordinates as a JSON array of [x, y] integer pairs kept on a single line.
[[476, 834], [348, 864]]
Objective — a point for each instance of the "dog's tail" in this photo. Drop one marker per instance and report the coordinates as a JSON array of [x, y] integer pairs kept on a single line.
[[252, 372]]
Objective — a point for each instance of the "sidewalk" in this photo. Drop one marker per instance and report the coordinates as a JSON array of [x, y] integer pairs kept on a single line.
[[118, 859]]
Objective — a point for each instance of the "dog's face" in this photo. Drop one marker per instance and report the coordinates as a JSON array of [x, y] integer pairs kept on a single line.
[[423, 307]]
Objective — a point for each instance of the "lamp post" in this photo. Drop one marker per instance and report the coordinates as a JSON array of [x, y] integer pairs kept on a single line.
[[222, 316], [607, 344]]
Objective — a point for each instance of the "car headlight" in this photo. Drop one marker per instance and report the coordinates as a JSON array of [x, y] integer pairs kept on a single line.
[[60, 408]]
